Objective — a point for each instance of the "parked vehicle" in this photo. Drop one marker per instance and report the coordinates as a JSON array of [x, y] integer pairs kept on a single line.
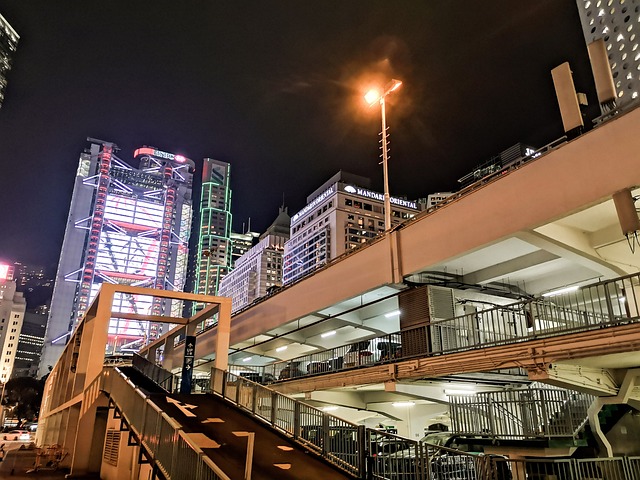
[[17, 436], [459, 459]]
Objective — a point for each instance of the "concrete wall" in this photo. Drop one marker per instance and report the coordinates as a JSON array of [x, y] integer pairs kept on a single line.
[[126, 467]]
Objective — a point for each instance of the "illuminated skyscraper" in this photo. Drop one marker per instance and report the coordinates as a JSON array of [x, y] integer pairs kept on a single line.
[[8, 44], [128, 226], [214, 243]]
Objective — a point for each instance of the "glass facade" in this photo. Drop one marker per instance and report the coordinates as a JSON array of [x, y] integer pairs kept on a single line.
[[8, 44], [130, 226]]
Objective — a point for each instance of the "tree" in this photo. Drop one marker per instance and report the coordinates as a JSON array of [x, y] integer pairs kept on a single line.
[[22, 398]]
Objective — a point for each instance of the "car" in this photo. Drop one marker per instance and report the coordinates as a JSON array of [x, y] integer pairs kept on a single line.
[[17, 436]]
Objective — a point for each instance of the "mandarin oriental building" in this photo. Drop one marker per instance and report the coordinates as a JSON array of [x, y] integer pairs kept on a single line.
[[128, 226], [339, 216]]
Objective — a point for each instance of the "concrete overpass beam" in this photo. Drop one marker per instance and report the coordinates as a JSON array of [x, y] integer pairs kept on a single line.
[[504, 269], [594, 381], [345, 399]]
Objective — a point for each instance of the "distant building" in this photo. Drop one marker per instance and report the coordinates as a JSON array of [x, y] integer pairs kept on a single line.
[[241, 243], [8, 44], [12, 311], [618, 25], [129, 226], [30, 345], [24, 273], [433, 199], [339, 216], [511, 157], [6, 271], [214, 243], [260, 268]]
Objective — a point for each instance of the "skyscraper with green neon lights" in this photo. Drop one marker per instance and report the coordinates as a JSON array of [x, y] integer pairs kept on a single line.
[[214, 245]]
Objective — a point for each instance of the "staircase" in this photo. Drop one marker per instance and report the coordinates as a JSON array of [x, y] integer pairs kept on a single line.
[[550, 416]]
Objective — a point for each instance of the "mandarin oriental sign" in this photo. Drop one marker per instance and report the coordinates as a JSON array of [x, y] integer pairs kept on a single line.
[[401, 202], [353, 190]]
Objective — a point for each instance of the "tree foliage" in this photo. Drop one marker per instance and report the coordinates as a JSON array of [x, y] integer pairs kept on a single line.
[[22, 398]]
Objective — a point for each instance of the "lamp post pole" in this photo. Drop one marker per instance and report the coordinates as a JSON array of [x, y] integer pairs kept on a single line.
[[385, 166], [372, 97]]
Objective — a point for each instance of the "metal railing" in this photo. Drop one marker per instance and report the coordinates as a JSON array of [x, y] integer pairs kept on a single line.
[[171, 449], [336, 440], [157, 374], [531, 412], [591, 307], [423, 461], [613, 468]]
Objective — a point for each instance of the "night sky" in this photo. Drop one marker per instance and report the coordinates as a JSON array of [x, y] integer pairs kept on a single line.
[[274, 88]]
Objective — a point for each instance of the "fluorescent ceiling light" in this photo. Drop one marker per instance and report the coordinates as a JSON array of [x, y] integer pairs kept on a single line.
[[281, 349], [459, 392], [403, 404], [392, 314], [561, 291], [329, 409], [328, 334], [246, 359]]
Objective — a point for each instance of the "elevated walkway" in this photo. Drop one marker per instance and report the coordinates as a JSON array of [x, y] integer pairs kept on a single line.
[[544, 336]]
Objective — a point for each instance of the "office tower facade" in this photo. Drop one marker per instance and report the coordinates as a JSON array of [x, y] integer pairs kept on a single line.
[[129, 226], [433, 199], [260, 268], [8, 44], [30, 345], [339, 216], [618, 24], [214, 243], [12, 310]]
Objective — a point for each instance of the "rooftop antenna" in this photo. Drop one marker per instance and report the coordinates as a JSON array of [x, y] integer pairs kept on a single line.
[[249, 225]]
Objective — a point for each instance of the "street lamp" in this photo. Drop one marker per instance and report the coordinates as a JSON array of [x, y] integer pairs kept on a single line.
[[372, 97]]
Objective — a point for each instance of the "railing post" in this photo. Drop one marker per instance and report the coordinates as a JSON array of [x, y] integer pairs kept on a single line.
[[223, 388], [296, 419], [492, 423], [274, 401], [325, 434], [570, 408], [546, 425], [254, 398], [607, 297], [363, 451]]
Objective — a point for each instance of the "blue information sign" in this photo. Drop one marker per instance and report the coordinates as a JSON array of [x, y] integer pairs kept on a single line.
[[187, 366]]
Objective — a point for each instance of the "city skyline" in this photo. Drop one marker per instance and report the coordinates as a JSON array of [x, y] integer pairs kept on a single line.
[[276, 92]]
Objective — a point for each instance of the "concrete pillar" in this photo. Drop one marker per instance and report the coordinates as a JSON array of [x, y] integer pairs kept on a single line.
[[223, 334], [89, 367]]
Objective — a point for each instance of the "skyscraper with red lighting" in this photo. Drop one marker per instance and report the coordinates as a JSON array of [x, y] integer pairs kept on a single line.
[[126, 225]]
